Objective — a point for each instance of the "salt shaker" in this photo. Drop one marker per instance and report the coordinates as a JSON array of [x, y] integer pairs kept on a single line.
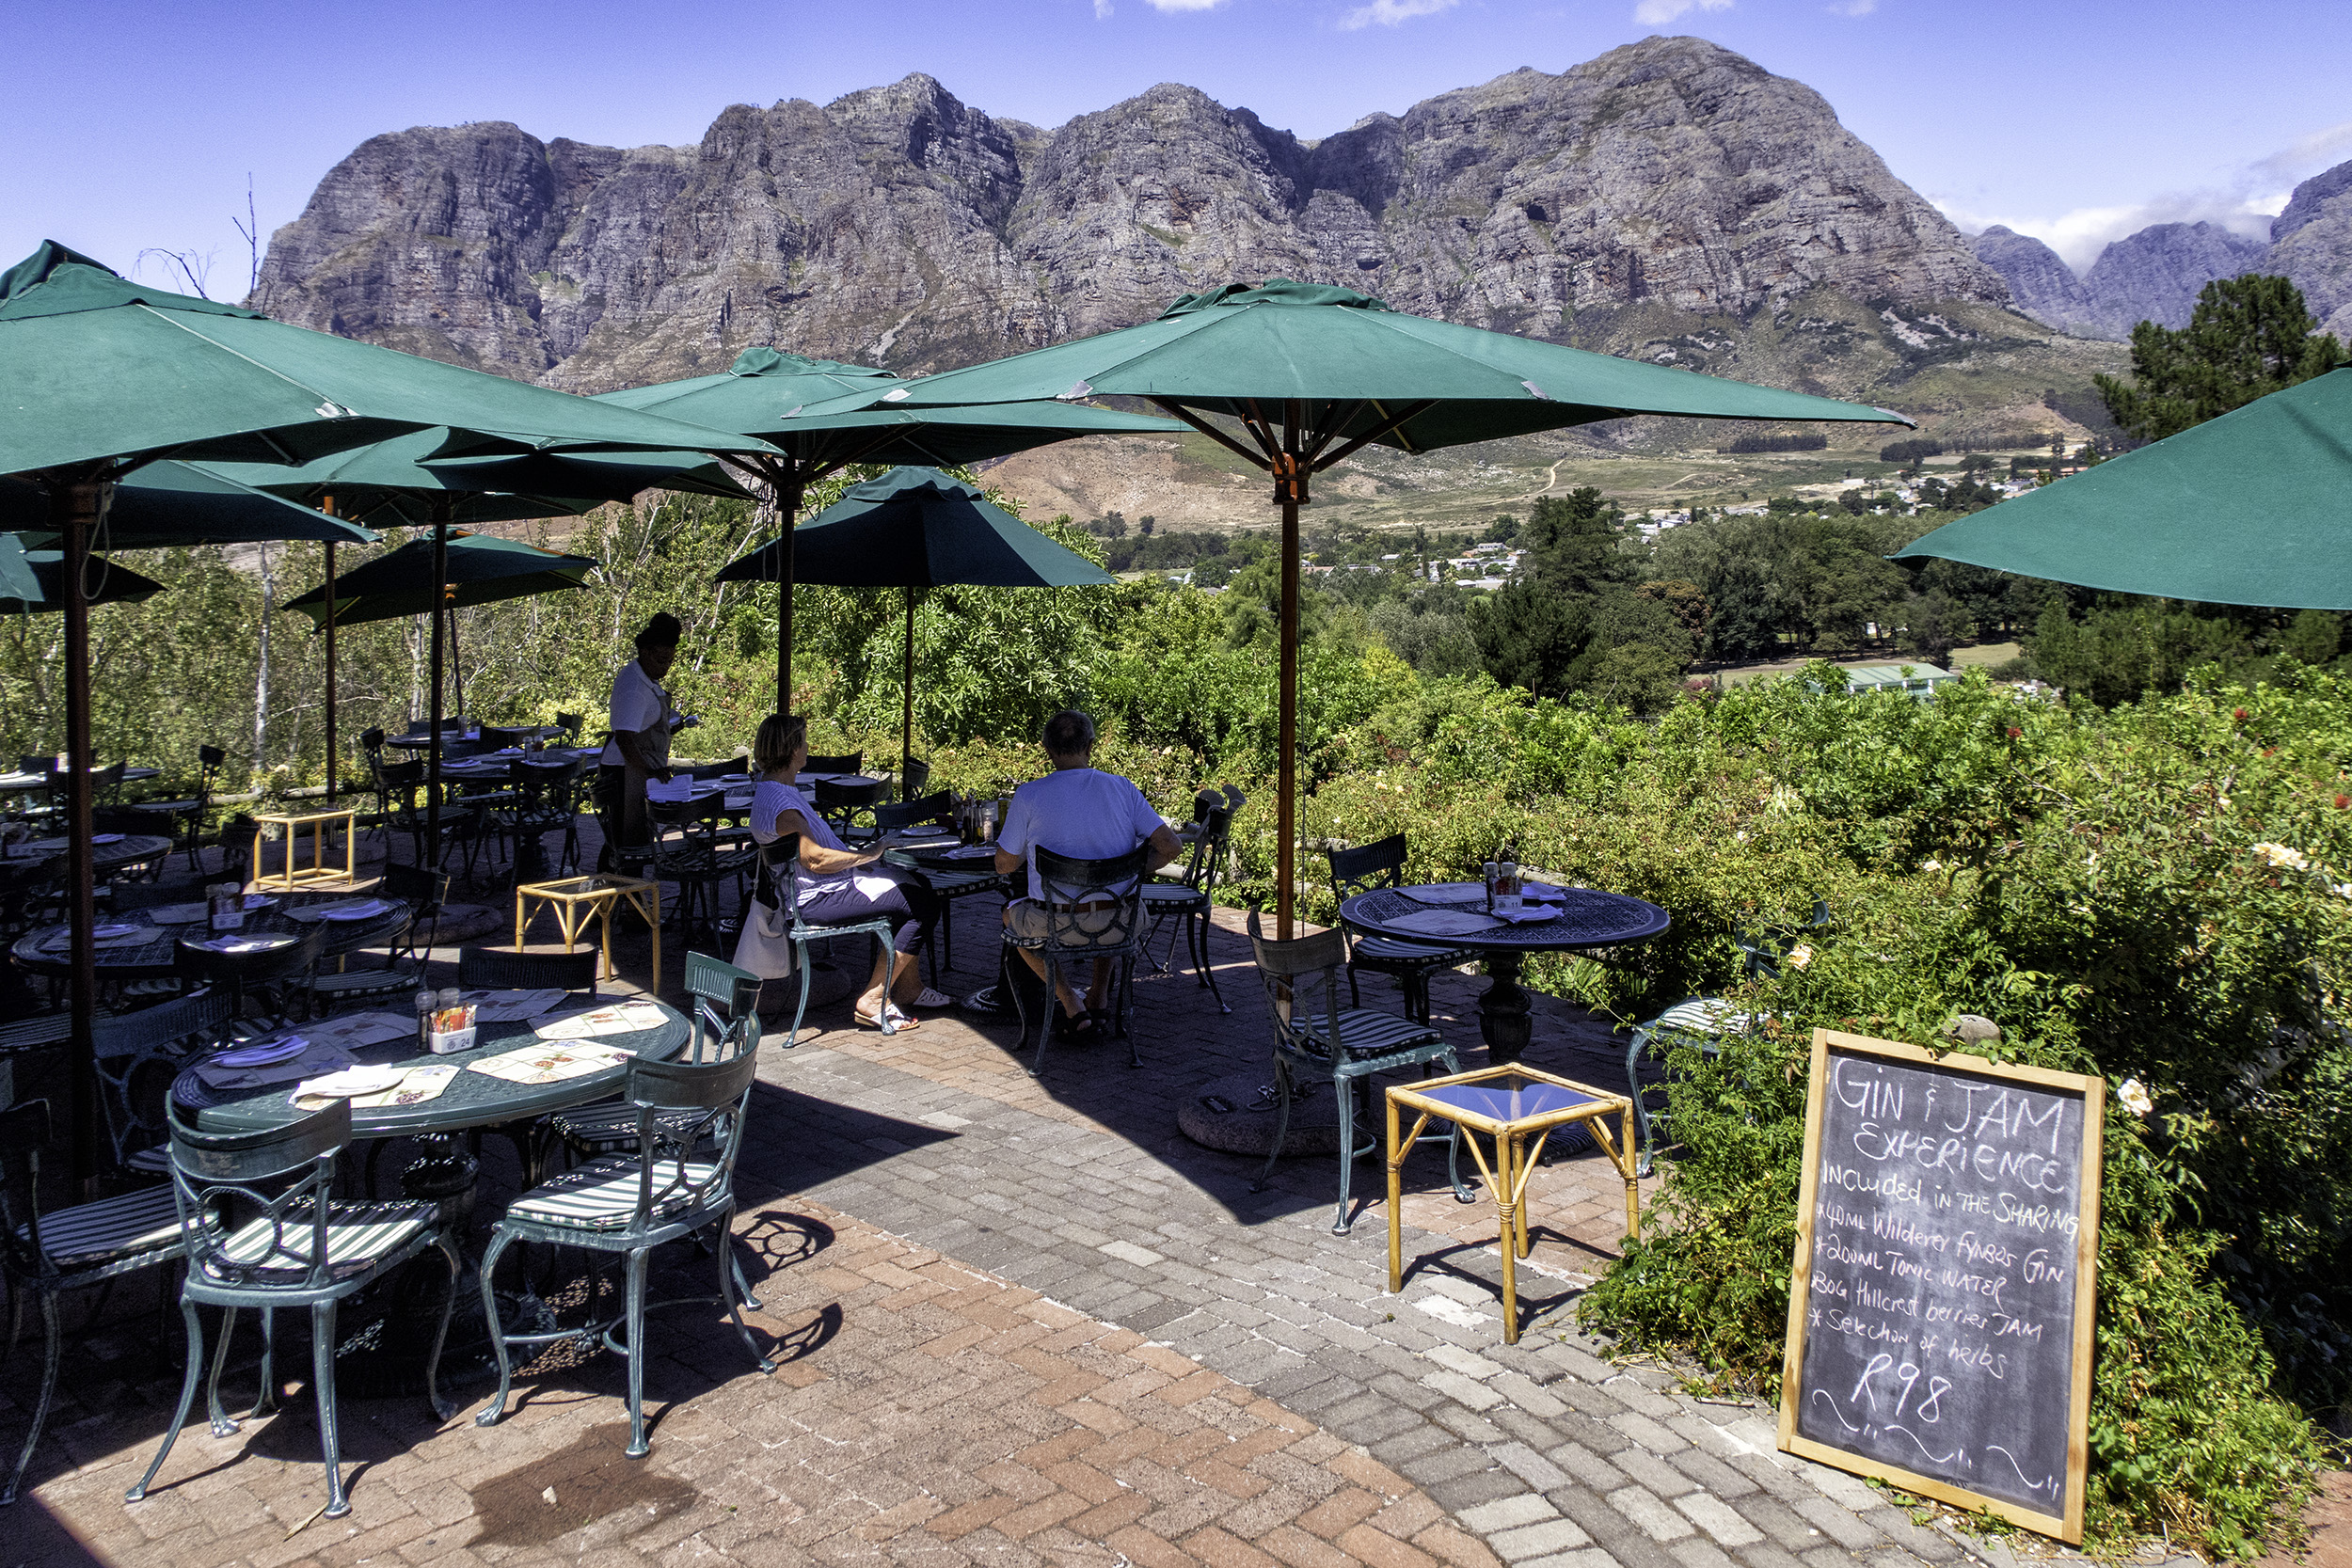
[[1489, 869], [424, 1020]]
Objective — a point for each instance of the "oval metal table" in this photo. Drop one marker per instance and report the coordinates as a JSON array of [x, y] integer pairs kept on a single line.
[[109, 853], [386, 1353], [1454, 914]]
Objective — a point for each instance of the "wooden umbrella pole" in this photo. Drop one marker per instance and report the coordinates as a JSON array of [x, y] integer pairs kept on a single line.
[[329, 509], [433, 734], [1290, 488], [76, 505], [789, 488], [906, 723], [457, 660]]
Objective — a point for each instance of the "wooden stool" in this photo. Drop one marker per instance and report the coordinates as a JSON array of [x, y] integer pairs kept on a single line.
[[1508, 1104], [289, 877], [577, 899]]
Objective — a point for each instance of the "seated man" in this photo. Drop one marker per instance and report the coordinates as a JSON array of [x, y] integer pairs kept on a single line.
[[1078, 811]]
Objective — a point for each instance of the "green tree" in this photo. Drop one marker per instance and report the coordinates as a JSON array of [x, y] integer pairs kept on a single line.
[[2249, 336]]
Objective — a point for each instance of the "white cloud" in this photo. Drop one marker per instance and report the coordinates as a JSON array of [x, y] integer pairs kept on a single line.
[[1387, 13], [1185, 4], [2307, 154], [1102, 10], [1854, 7], [1658, 13], [2080, 234]]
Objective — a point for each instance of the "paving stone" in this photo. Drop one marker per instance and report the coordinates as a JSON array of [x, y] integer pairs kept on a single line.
[[1534, 1541], [1468, 1362], [1838, 1523], [1717, 1518], [1653, 1472], [1524, 1509], [1477, 1487], [1528, 1466], [1711, 1473], [1654, 1518]]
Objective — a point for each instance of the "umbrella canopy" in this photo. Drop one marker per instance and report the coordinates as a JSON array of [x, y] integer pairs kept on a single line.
[[111, 583], [823, 416], [1314, 373], [480, 570], [916, 528], [2251, 508], [397, 481], [167, 504]]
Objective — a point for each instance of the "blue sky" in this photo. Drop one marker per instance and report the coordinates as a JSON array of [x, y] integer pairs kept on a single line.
[[132, 126]]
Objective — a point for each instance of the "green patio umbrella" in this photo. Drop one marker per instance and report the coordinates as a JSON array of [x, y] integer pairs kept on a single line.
[[114, 583], [99, 376], [916, 528], [165, 505], [823, 416], [401, 481], [1313, 374], [2251, 508], [17, 580], [473, 569]]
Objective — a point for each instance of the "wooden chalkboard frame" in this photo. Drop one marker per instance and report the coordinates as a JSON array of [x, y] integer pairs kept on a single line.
[[2067, 1527]]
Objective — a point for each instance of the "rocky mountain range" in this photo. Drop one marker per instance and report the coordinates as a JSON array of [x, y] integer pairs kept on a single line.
[[1665, 183], [2156, 273]]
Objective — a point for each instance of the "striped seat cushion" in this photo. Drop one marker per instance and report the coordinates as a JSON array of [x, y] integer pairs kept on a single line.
[[111, 1230], [1368, 1032], [1388, 950], [1702, 1015], [1172, 894], [603, 1194], [612, 1126], [358, 1235]]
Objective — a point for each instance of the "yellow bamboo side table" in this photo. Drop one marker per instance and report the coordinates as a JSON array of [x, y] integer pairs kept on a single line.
[[577, 899], [1509, 1104], [289, 877]]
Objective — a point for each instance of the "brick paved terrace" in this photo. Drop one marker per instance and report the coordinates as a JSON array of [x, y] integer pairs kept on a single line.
[[1018, 1321]]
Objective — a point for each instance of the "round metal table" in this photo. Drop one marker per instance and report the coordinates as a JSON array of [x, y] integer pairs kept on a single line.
[[109, 853], [472, 1098], [156, 957], [1585, 920]]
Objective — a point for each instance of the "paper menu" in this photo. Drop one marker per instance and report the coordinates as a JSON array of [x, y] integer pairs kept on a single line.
[[550, 1063], [622, 1018]]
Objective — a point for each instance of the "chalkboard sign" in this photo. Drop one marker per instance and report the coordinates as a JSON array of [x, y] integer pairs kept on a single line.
[[1940, 1315]]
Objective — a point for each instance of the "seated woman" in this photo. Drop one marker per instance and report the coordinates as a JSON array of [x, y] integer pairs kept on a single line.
[[836, 885]]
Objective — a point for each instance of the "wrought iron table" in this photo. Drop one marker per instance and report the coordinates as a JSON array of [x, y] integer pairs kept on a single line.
[[1454, 914]]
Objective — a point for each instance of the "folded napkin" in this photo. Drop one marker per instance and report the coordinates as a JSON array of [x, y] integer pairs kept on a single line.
[[1440, 923], [354, 1030], [244, 944], [1529, 915], [680, 788], [233, 1080]]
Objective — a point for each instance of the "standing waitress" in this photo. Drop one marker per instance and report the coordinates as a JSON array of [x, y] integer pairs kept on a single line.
[[641, 723]]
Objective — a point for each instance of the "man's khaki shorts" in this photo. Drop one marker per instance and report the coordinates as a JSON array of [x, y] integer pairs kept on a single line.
[[1028, 921]]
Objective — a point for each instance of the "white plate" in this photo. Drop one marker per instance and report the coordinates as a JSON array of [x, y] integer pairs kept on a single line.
[[353, 1081], [106, 838], [102, 932], [259, 901], [265, 1054]]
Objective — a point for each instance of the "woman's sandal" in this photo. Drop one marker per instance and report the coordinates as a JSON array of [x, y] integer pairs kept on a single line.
[[1079, 1028], [900, 1020]]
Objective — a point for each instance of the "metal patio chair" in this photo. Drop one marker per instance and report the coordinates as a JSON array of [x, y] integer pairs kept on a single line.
[[679, 1183], [725, 1017], [1188, 901], [1377, 865], [1340, 1046], [1093, 911], [262, 1230]]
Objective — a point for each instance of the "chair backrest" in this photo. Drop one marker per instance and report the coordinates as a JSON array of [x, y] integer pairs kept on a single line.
[[1368, 867], [269, 1191], [490, 968], [544, 784], [571, 722], [1286, 968], [107, 781], [892, 815], [138, 1054], [914, 774], [1207, 846], [497, 739], [1094, 904], [257, 966], [24, 1133], [689, 1159], [847, 761], [45, 764], [840, 804], [726, 1007], [425, 890], [126, 820]]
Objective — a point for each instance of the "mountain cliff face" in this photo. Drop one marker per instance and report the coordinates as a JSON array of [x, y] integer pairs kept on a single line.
[[2039, 281], [1662, 183], [2156, 273]]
